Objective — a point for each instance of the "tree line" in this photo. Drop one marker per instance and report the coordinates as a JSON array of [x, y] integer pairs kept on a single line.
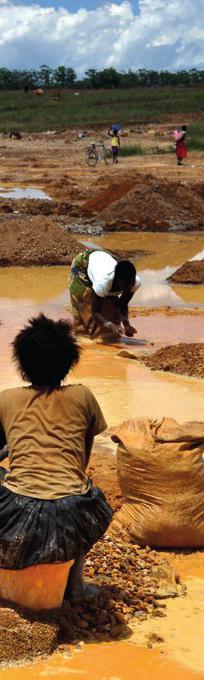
[[63, 77]]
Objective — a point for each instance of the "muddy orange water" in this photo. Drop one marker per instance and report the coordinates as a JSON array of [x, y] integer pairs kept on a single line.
[[112, 661], [126, 389]]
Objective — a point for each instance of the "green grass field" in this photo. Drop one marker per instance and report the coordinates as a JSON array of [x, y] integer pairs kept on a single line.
[[136, 106]]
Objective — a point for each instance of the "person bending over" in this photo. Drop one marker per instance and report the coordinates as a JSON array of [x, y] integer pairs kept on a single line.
[[49, 510], [100, 290]]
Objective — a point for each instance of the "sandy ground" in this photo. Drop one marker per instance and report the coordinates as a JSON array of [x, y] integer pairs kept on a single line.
[[140, 193], [181, 358]]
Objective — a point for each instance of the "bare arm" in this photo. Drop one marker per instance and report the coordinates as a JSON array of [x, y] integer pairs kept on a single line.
[[123, 304], [96, 307], [101, 320]]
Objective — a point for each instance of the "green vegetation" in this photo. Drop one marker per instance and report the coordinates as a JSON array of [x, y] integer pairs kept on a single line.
[[132, 150], [63, 76], [195, 139], [133, 106]]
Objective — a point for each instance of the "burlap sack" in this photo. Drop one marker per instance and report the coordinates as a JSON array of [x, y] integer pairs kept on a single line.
[[161, 474]]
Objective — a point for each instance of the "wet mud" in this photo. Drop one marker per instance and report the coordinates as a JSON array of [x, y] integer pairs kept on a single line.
[[190, 272], [181, 358]]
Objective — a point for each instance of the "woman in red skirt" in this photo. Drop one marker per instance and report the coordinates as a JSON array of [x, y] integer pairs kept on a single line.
[[181, 150]]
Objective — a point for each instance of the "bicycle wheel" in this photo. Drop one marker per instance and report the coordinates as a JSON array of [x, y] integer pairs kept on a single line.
[[107, 156], [91, 158]]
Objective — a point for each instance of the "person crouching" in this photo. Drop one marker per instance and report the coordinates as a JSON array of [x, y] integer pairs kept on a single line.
[[100, 290]]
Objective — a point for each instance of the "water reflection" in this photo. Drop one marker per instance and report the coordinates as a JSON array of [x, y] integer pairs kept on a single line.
[[28, 192]]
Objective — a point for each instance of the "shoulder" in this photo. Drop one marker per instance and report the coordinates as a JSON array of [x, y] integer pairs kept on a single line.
[[9, 393], [100, 256], [82, 394], [10, 396], [78, 391]]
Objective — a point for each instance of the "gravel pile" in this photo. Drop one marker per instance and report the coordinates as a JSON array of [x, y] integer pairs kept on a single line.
[[133, 584]]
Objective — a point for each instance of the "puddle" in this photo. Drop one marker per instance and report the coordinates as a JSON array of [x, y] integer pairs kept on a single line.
[[29, 192], [112, 661], [116, 380]]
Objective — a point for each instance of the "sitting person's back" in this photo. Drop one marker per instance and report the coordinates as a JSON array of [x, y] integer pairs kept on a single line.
[[46, 434], [49, 510]]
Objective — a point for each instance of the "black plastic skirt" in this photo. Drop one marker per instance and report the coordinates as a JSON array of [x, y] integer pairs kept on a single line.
[[34, 531]]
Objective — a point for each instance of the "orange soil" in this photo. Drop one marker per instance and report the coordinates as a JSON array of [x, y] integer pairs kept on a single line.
[[183, 358], [190, 272]]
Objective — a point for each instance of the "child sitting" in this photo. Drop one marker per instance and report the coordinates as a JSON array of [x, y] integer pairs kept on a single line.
[[49, 511]]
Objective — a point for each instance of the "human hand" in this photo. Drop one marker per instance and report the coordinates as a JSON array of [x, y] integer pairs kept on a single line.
[[129, 330], [112, 329]]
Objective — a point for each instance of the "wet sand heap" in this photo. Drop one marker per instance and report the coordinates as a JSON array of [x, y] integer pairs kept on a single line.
[[190, 272], [181, 358]]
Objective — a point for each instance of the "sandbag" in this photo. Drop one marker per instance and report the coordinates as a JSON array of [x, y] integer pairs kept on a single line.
[[160, 470]]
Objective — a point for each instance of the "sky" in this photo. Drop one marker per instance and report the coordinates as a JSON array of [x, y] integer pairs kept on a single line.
[[83, 34]]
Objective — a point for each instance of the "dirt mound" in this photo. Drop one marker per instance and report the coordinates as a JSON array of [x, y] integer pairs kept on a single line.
[[182, 358], [23, 636], [103, 471], [139, 202], [36, 241], [112, 193], [132, 581], [37, 207], [190, 272]]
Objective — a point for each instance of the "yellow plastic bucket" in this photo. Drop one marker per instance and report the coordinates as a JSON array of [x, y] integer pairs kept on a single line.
[[39, 587]]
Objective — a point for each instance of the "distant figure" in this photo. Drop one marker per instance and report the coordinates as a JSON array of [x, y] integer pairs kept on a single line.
[[15, 134], [39, 92], [179, 138], [113, 132], [82, 134], [26, 88]]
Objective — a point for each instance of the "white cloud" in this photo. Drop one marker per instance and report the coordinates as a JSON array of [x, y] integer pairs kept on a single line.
[[163, 35]]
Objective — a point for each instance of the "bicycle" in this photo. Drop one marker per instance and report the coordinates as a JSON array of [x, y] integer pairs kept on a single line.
[[97, 152]]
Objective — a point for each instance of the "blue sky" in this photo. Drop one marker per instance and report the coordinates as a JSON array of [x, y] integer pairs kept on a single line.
[[74, 5], [83, 34]]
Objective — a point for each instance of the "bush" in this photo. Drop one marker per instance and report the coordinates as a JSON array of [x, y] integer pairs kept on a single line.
[[132, 150]]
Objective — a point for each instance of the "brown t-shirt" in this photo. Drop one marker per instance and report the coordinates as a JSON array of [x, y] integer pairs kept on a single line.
[[49, 438]]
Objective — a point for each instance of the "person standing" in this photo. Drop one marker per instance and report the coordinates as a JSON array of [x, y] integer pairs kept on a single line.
[[115, 143], [181, 150]]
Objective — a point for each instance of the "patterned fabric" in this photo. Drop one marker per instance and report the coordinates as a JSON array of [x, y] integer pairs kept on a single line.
[[81, 293]]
